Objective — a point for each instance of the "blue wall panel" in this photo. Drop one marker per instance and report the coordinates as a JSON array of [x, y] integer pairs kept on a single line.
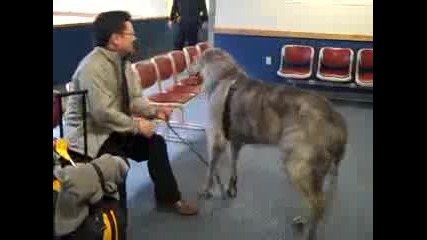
[[250, 51], [72, 43]]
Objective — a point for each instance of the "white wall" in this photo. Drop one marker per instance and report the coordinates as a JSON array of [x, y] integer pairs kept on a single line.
[[319, 16], [146, 8]]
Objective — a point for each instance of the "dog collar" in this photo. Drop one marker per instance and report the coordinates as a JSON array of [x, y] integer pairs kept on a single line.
[[226, 115]]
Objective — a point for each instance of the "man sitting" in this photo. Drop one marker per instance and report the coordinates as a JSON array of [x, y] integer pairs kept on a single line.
[[114, 97]]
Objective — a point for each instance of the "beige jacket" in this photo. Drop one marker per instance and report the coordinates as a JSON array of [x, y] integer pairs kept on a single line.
[[100, 73]]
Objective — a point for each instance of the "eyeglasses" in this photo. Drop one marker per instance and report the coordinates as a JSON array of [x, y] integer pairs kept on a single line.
[[128, 33], [131, 34]]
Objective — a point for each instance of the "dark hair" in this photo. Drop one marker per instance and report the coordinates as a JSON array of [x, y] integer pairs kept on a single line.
[[107, 23]]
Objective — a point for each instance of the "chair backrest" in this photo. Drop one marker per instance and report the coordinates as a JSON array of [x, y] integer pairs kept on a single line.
[[298, 54], [56, 109], [191, 54], [335, 64], [336, 57], [179, 63], [202, 46], [146, 71], [365, 67], [366, 58], [164, 69], [163, 66], [296, 61]]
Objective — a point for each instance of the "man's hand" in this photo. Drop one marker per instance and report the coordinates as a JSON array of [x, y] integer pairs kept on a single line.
[[205, 25], [170, 23], [164, 113], [146, 127]]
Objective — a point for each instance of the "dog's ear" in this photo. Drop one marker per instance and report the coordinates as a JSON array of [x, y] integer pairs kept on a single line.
[[216, 58], [218, 64]]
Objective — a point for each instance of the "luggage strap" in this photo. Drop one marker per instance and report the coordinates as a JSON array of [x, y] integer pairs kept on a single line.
[[101, 178]]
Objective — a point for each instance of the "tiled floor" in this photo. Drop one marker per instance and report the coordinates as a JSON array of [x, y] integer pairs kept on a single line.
[[266, 203]]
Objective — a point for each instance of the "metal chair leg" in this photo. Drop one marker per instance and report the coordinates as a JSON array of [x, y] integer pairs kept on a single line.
[[183, 124]]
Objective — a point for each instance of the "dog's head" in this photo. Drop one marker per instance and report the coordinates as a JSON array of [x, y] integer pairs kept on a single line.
[[217, 64]]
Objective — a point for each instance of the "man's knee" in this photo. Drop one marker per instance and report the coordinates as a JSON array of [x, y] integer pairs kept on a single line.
[[158, 141]]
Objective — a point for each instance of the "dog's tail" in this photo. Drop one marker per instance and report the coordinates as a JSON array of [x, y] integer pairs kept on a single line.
[[341, 139], [335, 145], [330, 182]]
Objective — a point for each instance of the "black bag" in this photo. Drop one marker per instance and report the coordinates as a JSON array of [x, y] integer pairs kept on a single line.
[[108, 217]]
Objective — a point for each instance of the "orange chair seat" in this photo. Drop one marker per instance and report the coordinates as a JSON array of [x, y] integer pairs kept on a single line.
[[194, 89], [295, 70], [192, 80], [367, 77], [171, 97], [337, 73]]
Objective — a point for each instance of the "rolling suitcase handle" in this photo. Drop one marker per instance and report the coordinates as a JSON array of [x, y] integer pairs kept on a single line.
[[59, 97]]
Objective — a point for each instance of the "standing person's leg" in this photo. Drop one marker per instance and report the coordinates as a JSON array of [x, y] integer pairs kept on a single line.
[[193, 33], [140, 148], [185, 26], [179, 38]]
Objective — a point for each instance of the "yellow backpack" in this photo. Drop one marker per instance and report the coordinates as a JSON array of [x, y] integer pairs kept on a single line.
[[106, 220]]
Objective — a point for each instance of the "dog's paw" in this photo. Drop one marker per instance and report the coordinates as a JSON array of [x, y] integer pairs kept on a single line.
[[232, 187], [232, 192], [205, 194], [300, 221], [223, 191]]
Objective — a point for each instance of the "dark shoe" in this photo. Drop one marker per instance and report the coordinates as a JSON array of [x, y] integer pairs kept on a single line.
[[182, 207]]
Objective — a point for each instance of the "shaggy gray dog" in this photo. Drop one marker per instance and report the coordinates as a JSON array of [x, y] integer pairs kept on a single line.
[[311, 135]]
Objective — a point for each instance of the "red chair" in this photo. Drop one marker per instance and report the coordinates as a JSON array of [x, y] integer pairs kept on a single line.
[[146, 72], [183, 81], [365, 67], [56, 113], [202, 47], [191, 55], [296, 61], [335, 64], [165, 71], [149, 75]]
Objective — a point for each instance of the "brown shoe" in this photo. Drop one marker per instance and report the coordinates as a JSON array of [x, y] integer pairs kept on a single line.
[[186, 208], [182, 207]]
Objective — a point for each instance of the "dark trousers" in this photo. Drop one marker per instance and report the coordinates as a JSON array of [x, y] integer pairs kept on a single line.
[[187, 31], [153, 150]]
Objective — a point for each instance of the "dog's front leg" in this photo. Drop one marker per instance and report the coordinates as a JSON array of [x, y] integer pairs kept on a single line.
[[216, 151], [232, 185]]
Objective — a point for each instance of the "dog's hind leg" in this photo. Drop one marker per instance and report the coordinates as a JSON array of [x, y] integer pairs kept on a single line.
[[320, 192], [216, 149], [330, 189], [316, 206], [234, 155], [316, 203], [303, 177]]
